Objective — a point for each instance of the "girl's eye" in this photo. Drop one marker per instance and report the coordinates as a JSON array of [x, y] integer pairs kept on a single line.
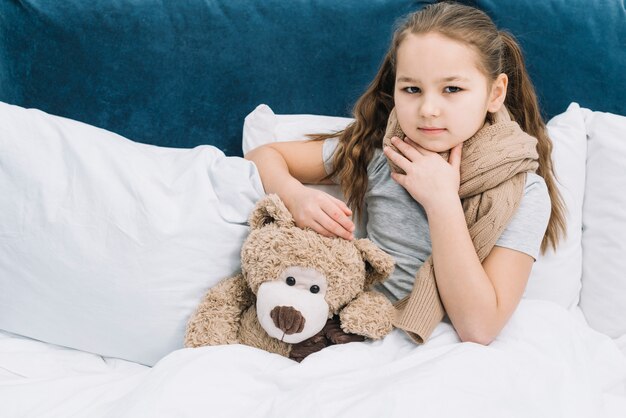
[[412, 90], [452, 89]]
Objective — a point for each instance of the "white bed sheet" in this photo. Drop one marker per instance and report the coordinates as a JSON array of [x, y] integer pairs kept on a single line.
[[545, 363]]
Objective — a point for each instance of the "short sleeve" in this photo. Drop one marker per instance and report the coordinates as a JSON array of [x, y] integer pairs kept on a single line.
[[328, 149], [528, 225]]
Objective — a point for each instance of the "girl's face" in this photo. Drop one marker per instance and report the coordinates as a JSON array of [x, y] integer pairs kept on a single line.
[[441, 97]]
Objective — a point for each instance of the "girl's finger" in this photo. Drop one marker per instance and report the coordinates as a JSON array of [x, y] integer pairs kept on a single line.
[[317, 227], [455, 156], [397, 158], [334, 228], [406, 149], [416, 146], [343, 206], [398, 178], [336, 213]]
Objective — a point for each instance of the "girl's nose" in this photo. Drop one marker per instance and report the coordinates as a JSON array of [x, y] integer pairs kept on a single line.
[[429, 107]]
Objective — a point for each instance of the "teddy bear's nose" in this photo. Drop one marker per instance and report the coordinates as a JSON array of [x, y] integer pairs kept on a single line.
[[287, 319]]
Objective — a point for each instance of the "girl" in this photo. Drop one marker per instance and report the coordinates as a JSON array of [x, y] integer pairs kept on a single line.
[[465, 226]]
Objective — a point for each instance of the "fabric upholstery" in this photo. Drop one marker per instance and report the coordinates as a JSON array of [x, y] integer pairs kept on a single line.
[[185, 73], [575, 50]]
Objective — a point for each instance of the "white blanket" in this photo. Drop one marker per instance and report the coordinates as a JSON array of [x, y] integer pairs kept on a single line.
[[545, 363]]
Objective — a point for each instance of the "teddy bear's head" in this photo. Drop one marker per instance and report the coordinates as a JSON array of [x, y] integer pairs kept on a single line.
[[301, 278]]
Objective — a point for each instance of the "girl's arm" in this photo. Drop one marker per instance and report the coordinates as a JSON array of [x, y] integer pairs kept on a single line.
[[478, 298], [284, 167]]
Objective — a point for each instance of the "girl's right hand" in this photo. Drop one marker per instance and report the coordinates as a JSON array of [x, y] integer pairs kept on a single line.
[[321, 212]]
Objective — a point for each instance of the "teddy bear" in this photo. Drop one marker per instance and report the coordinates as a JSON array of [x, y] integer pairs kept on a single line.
[[297, 291]]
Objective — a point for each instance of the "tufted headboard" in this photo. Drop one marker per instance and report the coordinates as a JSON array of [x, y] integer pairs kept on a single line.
[[184, 73]]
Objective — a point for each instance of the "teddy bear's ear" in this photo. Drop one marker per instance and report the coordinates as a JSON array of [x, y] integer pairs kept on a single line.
[[378, 264], [270, 209]]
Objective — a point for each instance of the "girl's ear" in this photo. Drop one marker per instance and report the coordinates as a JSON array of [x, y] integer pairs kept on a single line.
[[268, 210], [498, 93]]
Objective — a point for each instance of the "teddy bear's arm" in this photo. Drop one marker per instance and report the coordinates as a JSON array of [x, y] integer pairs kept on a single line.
[[216, 321], [369, 314]]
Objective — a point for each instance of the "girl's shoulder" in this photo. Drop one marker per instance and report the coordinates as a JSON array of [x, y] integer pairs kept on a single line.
[[535, 205], [536, 189], [328, 149], [527, 227], [377, 162]]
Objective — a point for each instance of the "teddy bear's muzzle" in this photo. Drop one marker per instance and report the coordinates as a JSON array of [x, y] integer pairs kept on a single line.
[[288, 319], [292, 308]]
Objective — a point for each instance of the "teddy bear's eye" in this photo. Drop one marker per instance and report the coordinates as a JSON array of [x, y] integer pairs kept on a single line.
[[290, 281], [314, 289]]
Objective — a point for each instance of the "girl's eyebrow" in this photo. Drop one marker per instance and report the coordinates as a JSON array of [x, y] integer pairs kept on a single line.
[[406, 79], [454, 78], [442, 80]]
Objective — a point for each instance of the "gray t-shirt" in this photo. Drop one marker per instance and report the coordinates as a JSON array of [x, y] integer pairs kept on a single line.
[[398, 225]]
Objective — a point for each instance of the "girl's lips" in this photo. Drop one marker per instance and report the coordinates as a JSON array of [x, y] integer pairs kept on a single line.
[[432, 131]]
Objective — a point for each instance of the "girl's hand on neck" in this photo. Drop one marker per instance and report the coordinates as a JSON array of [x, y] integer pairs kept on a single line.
[[430, 179]]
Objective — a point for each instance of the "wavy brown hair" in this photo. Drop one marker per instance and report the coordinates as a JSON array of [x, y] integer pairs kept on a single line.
[[498, 52]]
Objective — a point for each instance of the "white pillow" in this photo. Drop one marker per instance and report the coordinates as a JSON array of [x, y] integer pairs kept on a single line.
[[555, 276], [107, 245], [262, 126], [603, 296]]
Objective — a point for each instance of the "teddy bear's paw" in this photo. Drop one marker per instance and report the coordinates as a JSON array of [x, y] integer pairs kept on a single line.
[[212, 326], [217, 333], [309, 346], [217, 318], [336, 335], [370, 314]]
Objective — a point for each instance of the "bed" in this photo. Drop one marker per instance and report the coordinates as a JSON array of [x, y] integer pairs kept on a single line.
[[124, 197]]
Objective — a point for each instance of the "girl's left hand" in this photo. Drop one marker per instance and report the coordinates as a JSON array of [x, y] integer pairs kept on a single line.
[[429, 178]]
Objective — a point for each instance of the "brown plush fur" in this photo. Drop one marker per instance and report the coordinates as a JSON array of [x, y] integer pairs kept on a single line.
[[227, 313], [216, 320]]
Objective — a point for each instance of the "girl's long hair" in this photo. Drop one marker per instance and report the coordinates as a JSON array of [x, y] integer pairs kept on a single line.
[[499, 53]]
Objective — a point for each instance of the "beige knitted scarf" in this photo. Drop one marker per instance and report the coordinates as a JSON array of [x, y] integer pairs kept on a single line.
[[493, 176]]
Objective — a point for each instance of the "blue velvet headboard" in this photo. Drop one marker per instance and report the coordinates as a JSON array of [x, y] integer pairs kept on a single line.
[[183, 73]]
